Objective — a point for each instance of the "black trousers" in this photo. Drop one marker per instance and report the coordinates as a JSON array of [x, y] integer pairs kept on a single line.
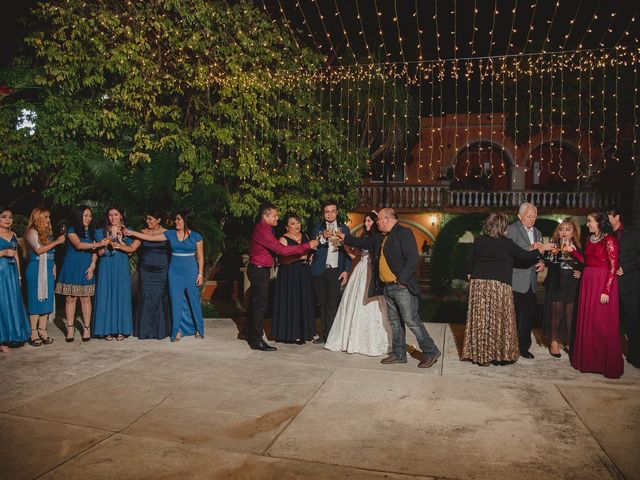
[[259, 298], [525, 305], [630, 319], [326, 288]]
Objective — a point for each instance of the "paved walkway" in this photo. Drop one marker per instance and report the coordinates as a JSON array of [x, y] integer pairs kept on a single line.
[[213, 409]]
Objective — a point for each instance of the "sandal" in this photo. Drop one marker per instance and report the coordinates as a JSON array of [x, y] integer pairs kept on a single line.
[[47, 340], [34, 342], [86, 329], [73, 333], [4, 349], [109, 338], [120, 337]]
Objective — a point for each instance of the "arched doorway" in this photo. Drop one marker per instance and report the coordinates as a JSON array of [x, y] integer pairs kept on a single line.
[[482, 165], [552, 166]]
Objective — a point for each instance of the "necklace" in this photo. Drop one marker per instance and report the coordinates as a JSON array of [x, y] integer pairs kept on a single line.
[[595, 238]]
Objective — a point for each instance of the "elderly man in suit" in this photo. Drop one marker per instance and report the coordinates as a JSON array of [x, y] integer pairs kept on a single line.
[[329, 267], [628, 282], [393, 274], [525, 275]]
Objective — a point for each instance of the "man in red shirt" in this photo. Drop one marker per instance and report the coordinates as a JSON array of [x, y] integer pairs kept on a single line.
[[261, 249]]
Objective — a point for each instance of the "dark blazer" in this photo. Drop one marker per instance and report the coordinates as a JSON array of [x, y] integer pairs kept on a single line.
[[401, 253], [629, 260], [320, 256]]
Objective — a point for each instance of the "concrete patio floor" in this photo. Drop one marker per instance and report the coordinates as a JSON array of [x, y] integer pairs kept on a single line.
[[214, 409]]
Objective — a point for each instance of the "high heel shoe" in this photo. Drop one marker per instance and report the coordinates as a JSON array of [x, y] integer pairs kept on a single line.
[[35, 342], [73, 333], [46, 339], [555, 355], [86, 329]]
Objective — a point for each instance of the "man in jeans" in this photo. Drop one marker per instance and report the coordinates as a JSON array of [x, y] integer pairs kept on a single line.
[[394, 263]]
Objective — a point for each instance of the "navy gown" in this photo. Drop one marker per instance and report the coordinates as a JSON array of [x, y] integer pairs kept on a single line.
[[112, 311], [153, 319], [186, 312], [14, 324], [294, 316]]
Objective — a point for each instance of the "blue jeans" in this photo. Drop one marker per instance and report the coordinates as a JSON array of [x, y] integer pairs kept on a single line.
[[402, 307]]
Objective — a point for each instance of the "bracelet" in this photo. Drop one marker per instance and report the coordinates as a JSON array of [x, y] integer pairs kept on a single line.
[[200, 275]]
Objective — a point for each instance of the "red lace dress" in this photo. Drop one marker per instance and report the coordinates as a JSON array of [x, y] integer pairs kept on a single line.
[[596, 347]]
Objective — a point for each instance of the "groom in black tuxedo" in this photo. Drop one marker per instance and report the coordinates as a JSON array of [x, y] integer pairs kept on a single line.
[[628, 282]]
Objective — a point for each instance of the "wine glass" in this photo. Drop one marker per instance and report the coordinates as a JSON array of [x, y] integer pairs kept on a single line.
[[554, 251]]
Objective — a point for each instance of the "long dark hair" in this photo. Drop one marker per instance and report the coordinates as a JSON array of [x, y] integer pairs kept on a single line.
[[602, 219], [374, 228], [107, 224], [78, 225], [185, 218]]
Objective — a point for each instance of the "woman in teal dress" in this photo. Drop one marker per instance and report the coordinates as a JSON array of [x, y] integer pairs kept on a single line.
[[76, 279], [14, 325], [40, 274], [185, 276], [112, 316]]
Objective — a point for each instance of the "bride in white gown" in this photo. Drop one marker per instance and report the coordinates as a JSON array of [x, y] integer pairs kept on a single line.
[[361, 324]]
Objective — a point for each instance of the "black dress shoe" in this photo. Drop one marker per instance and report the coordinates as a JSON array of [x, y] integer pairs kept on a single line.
[[262, 347], [555, 355], [527, 354]]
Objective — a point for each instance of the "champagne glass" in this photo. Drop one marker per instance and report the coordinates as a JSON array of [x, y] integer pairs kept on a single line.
[[565, 243], [13, 246]]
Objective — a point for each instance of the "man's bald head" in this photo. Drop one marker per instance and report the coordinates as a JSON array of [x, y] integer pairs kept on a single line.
[[387, 218]]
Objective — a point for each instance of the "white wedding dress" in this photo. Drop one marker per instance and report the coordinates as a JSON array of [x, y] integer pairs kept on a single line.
[[361, 324]]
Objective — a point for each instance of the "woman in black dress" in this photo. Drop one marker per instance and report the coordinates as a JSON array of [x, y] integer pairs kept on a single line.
[[293, 305], [561, 287], [153, 318]]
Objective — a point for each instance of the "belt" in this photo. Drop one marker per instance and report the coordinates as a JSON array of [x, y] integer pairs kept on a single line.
[[49, 257], [329, 266], [259, 266], [183, 254]]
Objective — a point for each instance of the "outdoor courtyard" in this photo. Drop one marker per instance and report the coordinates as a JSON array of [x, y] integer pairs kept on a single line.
[[215, 409]]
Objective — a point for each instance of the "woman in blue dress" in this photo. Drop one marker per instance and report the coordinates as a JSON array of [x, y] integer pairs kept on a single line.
[[14, 325], [185, 276], [153, 316], [112, 313], [76, 279], [40, 274]]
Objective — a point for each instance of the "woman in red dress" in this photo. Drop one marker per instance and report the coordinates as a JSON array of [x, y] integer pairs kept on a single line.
[[596, 347]]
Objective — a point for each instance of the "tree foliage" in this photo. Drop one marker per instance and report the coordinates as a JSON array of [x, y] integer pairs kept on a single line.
[[220, 86]]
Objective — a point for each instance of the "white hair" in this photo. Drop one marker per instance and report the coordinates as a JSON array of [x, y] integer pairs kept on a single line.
[[526, 206]]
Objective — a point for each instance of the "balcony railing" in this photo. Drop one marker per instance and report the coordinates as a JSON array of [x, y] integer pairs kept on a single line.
[[420, 196]]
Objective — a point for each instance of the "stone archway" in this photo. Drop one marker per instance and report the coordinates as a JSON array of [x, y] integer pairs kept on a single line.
[[482, 164], [552, 165]]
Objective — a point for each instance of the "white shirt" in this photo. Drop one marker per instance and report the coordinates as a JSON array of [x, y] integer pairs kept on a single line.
[[530, 235], [332, 249]]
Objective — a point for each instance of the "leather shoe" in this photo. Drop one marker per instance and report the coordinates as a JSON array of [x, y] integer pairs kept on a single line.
[[392, 359], [262, 346], [555, 355], [426, 362], [527, 354], [318, 341]]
